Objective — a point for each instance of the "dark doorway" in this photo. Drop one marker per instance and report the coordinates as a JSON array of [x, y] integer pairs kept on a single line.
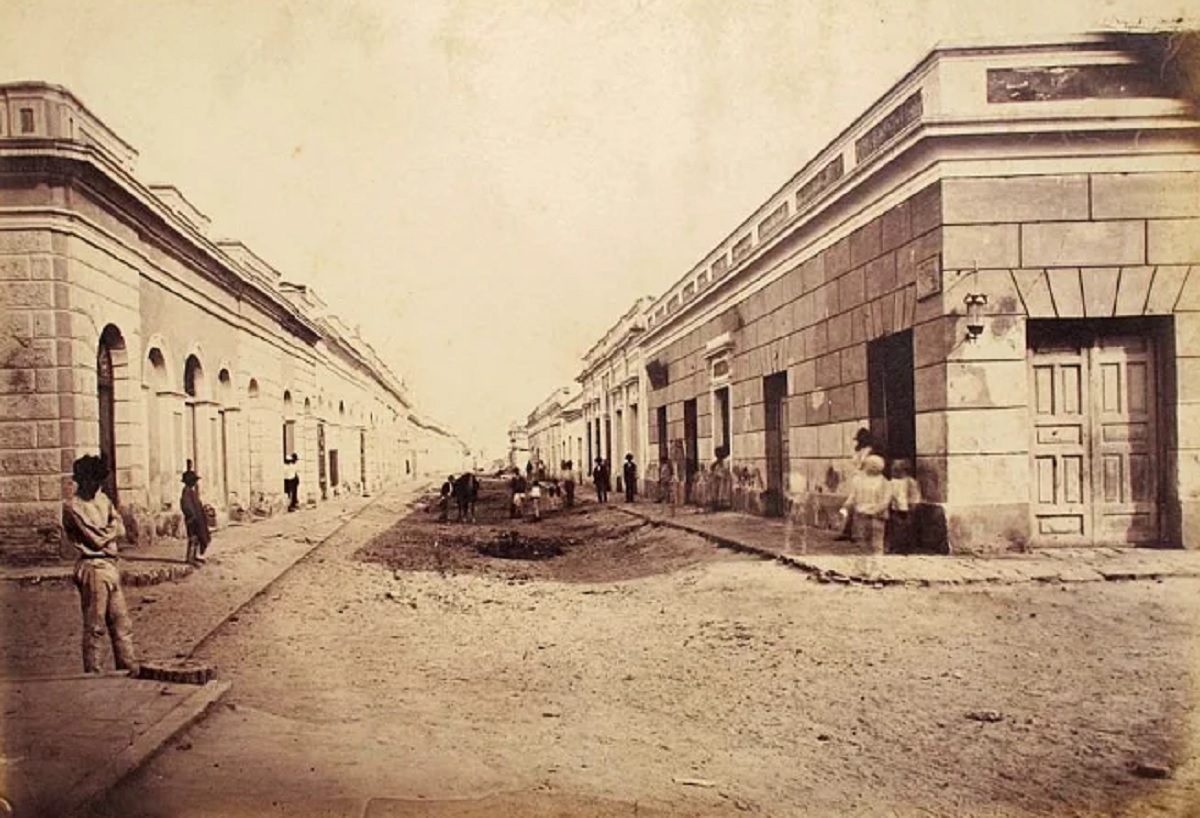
[[322, 480], [891, 395], [722, 428], [691, 446], [775, 399], [587, 467], [362, 458], [106, 392], [608, 439], [661, 421]]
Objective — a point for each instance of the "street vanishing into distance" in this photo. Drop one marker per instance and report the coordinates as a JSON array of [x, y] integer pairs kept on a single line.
[[409, 667]]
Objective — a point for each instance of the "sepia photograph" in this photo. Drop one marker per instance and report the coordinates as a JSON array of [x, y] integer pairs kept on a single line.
[[599, 408]]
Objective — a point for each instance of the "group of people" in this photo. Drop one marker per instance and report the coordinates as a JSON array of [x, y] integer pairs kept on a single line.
[[463, 491], [882, 509], [711, 489]]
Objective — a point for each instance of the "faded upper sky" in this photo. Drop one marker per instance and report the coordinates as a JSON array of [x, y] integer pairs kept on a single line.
[[486, 185]]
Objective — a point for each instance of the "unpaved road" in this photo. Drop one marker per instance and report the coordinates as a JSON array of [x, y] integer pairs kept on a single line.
[[711, 684]]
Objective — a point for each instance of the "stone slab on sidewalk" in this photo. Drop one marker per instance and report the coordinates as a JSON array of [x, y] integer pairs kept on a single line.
[[66, 740], [817, 552]]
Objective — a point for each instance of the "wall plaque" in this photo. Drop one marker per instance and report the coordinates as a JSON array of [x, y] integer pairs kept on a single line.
[[889, 127], [929, 277]]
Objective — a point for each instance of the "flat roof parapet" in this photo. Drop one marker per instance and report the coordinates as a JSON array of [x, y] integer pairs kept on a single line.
[[1101, 81], [32, 110]]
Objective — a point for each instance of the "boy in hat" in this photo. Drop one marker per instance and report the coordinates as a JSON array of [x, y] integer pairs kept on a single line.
[[195, 518], [93, 526]]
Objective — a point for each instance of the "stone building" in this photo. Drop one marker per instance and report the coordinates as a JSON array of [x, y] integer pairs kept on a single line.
[[996, 268], [613, 389], [518, 445], [128, 330], [555, 431]]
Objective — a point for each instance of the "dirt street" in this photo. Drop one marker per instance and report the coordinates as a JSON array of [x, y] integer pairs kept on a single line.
[[645, 672]]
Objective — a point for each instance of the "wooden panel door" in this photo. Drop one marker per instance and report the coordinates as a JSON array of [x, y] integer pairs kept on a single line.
[[1095, 434], [1061, 478], [1124, 437]]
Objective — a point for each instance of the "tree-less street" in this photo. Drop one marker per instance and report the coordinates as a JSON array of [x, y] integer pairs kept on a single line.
[[643, 671]]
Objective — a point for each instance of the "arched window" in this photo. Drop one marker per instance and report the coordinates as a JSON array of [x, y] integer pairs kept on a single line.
[[289, 425]]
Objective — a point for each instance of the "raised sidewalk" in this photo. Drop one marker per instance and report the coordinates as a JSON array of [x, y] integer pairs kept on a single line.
[[67, 737], [816, 552]]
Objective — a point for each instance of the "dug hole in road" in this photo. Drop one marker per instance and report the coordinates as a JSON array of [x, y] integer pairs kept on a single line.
[[416, 668]]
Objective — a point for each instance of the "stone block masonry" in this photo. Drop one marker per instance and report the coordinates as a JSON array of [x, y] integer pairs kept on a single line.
[[126, 331]]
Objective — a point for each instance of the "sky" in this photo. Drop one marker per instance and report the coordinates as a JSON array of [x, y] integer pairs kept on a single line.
[[486, 186]]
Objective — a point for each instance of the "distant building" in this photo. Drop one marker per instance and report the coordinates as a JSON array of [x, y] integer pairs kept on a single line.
[[128, 330], [995, 268], [518, 446], [614, 392], [555, 431]]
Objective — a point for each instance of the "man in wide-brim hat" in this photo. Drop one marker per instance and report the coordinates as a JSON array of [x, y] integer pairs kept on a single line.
[[195, 518]]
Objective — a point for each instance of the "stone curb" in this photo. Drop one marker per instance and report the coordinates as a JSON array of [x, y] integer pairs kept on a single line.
[[973, 571], [132, 577], [185, 714]]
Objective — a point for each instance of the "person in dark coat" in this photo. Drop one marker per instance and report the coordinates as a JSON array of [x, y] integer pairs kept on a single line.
[[569, 483], [629, 475], [194, 518], [602, 477]]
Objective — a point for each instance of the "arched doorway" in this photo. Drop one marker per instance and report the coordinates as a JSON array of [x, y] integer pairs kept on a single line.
[[193, 387], [162, 440], [111, 342], [289, 425], [225, 405]]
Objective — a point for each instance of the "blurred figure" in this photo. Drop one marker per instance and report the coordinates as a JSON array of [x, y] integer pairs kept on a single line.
[[868, 503], [864, 447], [291, 480], [901, 536], [720, 482], [517, 486], [444, 499], [535, 500], [569, 483]]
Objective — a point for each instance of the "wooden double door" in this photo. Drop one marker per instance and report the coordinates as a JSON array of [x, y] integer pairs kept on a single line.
[[1096, 414]]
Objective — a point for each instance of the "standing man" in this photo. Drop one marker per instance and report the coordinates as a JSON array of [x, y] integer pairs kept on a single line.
[[599, 480], [194, 518], [291, 480], [629, 475], [569, 483], [93, 526]]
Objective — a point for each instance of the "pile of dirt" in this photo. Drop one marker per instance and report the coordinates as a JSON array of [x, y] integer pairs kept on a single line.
[[587, 543]]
